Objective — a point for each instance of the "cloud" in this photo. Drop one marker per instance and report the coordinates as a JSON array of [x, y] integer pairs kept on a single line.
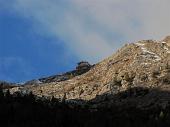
[[94, 29]]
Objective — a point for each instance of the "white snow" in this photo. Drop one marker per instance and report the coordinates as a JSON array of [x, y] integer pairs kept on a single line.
[[150, 55], [163, 42], [139, 44], [146, 53], [21, 83], [39, 82], [165, 47], [157, 58]]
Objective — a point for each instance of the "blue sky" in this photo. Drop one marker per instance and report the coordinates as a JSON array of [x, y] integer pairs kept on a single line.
[[44, 37], [26, 55]]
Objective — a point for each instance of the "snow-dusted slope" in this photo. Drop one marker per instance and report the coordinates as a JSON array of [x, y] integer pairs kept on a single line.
[[145, 63]]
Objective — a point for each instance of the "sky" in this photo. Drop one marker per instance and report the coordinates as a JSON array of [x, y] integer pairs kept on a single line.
[[44, 37]]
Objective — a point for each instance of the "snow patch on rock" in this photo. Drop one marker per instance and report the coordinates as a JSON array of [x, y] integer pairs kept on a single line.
[[148, 54], [166, 47]]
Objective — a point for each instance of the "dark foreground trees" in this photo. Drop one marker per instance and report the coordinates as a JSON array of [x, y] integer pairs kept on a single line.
[[28, 111]]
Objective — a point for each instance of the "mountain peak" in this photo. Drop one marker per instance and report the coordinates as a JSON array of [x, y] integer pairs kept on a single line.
[[144, 64]]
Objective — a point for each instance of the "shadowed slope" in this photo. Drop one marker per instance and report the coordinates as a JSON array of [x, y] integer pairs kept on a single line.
[[126, 111]]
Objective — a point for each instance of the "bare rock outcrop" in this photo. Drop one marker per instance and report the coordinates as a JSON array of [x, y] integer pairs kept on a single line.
[[143, 64]]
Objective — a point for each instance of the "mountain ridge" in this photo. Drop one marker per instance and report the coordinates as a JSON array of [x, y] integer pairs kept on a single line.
[[143, 64]]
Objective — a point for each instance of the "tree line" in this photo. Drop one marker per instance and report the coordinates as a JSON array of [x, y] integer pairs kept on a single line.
[[30, 111]]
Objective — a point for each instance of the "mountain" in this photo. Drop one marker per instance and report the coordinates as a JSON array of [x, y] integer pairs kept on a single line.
[[131, 88], [135, 67]]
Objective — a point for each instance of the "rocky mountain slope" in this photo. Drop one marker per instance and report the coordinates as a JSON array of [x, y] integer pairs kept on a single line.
[[144, 65], [81, 68]]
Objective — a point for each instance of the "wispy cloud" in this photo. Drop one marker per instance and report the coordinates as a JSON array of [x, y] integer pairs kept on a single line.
[[94, 29]]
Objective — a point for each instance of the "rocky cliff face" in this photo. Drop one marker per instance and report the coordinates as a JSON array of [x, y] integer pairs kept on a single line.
[[144, 64]]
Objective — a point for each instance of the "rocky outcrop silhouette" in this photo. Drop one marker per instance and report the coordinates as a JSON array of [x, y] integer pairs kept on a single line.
[[82, 67]]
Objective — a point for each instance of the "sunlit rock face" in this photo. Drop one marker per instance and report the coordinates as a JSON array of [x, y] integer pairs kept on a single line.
[[167, 40], [144, 64]]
